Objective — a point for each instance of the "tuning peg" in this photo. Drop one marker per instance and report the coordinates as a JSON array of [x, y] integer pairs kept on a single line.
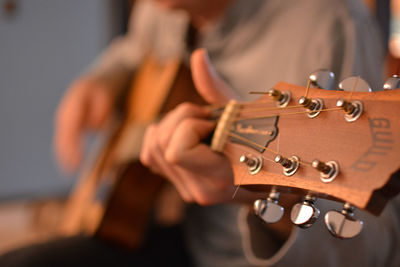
[[355, 84], [352, 109], [343, 224], [254, 164], [268, 209], [290, 165], [323, 79], [392, 83], [328, 171], [282, 98], [304, 214], [313, 105]]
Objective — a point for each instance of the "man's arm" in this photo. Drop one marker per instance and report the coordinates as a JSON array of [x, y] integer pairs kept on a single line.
[[89, 101]]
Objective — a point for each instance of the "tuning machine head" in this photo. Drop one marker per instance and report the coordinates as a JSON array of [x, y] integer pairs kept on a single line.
[[328, 171], [290, 165], [323, 79], [268, 209], [282, 98], [392, 83], [355, 84], [353, 109], [342, 224], [254, 164], [314, 106], [304, 214]]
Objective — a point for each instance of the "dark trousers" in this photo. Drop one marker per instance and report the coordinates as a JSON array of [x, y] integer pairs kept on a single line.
[[164, 247]]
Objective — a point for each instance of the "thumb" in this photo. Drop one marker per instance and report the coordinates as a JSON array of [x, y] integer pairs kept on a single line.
[[208, 84]]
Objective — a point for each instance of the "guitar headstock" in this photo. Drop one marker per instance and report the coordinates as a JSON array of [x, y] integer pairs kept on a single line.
[[336, 145]]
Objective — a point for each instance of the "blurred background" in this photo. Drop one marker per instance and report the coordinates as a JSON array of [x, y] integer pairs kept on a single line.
[[44, 45]]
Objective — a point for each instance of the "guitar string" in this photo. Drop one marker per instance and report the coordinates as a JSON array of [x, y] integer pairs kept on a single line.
[[241, 180], [261, 155], [250, 142], [269, 108], [237, 187], [285, 114], [308, 87], [251, 106], [353, 88], [258, 93], [278, 140]]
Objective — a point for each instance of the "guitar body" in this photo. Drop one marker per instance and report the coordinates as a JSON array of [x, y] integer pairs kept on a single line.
[[129, 206], [114, 199]]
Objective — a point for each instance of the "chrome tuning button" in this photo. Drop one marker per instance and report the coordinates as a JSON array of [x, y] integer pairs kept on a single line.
[[342, 224], [254, 164], [304, 214], [268, 209], [290, 165], [392, 83], [354, 84], [314, 106], [282, 98], [328, 171], [323, 79], [352, 109]]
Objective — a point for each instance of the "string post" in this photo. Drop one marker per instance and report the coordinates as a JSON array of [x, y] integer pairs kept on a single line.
[[290, 165], [328, 171], [352, 109], [275, 94], [321, 166], [285, 162], [347, 106], [313, 105], [282, 98], [254, 164], [306, 102]]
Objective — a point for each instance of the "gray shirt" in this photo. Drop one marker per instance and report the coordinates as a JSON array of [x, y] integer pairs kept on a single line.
[[255, 44]]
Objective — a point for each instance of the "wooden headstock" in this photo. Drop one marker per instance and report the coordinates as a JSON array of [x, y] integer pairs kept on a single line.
[[367, 150]]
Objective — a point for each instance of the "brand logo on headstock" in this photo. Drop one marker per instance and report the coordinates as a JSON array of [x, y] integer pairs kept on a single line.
[[260, 131], [382, 144], [251, 130]]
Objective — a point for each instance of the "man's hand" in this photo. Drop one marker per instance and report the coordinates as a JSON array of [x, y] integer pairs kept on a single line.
[[173, 146], [86, 106]]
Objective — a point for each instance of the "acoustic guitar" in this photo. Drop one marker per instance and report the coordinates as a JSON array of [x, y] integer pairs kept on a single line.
[[114, 198], [337, 145]]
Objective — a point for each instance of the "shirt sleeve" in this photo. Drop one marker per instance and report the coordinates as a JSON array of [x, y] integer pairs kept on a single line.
[[115, 65]]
